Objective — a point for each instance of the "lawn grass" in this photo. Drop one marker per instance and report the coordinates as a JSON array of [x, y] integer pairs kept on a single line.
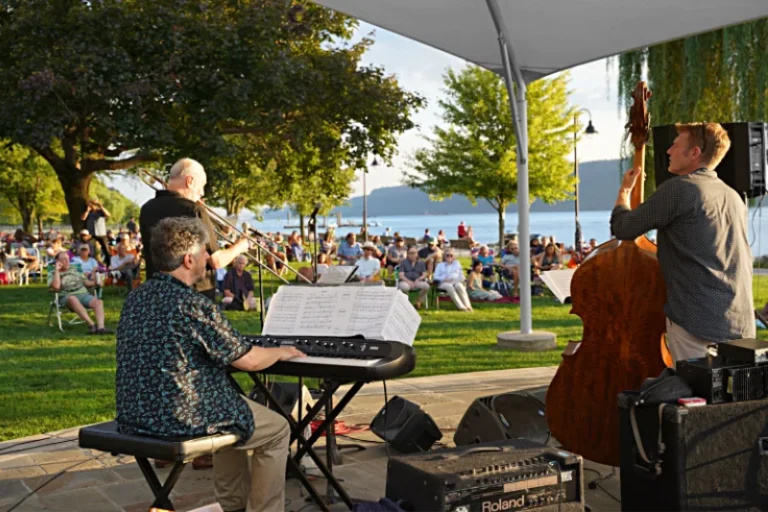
[[51, 380]]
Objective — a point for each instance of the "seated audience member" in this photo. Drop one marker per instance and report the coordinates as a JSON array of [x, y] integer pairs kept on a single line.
[[323, 261], [328, 245], [396, 253], [85, 238], [475, 285], [368, 266], [574, 259], [349, 250], [296, 246], [471, 238], [442, 241], [380, 251], [71, 285], [55, 246], [511, 263], [461, 231], [426, 236], [174, 347], [88, 264], [484, 257], [547, 260], [413, 276], [238, 287], [24, 243], [276, 255], [124, 266], [450, 277], [431, 254]]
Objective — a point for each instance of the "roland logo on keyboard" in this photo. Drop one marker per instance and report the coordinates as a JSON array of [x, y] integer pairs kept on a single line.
[[502, 504]]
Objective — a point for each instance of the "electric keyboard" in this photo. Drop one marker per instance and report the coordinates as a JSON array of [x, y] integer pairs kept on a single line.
[[344, 359]]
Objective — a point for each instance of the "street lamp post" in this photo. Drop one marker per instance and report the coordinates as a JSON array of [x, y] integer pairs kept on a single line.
[[365, 202], [590, 130]]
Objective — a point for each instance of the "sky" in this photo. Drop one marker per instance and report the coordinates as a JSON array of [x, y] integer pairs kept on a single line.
[[420, 68]]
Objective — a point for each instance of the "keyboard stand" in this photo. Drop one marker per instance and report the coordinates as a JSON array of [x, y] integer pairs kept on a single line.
[[305, 446]]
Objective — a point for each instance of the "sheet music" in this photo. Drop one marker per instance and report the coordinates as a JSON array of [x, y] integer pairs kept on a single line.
[[404, 321], [371, 311], [336, 274], [559, 282]]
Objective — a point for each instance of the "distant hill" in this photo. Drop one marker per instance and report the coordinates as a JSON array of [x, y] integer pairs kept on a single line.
[[599, 183]]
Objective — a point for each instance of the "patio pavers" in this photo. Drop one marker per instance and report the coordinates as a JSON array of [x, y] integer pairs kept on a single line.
[[110, 483]]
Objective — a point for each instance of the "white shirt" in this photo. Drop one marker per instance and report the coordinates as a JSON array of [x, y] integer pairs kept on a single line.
[[367, 267], [88, 266], [116, 260], [449, 271]]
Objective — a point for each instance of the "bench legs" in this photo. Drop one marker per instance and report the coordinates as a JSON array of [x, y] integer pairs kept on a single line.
[[161, 492]]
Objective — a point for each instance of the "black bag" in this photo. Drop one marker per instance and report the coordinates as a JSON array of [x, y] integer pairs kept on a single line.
[[665, 389]]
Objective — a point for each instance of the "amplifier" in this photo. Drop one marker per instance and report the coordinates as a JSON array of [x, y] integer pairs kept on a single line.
[[715, 456], [515, 474], [716, 381]]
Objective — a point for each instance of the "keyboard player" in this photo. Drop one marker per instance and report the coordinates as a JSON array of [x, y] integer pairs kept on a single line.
[[173, 350]]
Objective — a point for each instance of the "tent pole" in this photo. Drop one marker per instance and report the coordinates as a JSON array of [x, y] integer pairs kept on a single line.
[[519, 107]]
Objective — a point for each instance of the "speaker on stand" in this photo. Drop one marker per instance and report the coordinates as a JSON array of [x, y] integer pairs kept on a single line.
[[744, 166]]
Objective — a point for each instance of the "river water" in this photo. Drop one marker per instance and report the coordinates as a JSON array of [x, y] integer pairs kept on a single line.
[[561, 225]]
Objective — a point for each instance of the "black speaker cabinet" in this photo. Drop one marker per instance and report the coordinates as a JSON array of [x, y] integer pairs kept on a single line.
[[405, 426], [715, 458], [744, 166], [516, 415]]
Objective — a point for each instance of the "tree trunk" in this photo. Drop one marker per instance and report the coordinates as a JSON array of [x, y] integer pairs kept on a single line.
[[301, 227], [39, 227], [75, 184], [501, 210], [26, 220]]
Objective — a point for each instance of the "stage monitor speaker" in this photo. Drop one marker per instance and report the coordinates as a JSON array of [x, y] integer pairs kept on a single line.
[[405, 426], [715, 457], [744, 166], [516, 415]]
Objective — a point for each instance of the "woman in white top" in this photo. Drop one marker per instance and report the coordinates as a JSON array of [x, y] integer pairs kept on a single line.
[[450, 278]]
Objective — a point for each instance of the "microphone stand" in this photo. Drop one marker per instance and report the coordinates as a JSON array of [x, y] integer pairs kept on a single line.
[[261, 290], [312, 224]]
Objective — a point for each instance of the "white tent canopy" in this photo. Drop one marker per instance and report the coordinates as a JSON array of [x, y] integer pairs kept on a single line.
[[524, 40], [548, 35]]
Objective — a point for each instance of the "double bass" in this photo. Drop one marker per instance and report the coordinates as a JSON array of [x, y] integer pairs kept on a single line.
[[619, 293]]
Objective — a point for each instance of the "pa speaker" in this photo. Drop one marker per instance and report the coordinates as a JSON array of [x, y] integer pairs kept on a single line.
[[517, 415], [714, 457], [405, 426], [744, 166]]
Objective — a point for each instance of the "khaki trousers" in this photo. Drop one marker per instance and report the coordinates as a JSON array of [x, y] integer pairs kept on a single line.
[[262, 489], [422, 286], [684, 345]]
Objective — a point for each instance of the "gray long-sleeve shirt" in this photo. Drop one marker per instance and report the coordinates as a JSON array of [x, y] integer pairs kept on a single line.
[[703, 250]]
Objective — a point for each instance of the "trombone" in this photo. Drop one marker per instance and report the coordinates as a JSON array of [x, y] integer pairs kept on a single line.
[[222, 223]]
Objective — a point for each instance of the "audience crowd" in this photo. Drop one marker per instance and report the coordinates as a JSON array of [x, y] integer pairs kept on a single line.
[[101, 257]]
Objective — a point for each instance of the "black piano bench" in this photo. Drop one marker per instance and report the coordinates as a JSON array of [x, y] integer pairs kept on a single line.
[[106, 438]]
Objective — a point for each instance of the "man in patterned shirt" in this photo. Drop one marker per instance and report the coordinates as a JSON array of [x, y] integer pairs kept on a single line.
[[173, 350], [703, 245]]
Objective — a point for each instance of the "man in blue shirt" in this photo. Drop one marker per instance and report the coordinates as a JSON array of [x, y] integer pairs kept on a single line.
[[173, 351]]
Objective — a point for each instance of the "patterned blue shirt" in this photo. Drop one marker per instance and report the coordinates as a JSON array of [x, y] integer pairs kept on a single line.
[[173, 349]]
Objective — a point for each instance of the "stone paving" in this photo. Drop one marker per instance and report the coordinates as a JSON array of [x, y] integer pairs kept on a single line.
[[108, 483]]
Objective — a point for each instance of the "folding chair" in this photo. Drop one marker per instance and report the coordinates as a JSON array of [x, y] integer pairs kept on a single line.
[[54, 307]]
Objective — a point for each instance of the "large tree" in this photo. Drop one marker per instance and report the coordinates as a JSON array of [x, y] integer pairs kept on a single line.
[[719, 76], [29, 185], [474, 155], [111, 84]]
